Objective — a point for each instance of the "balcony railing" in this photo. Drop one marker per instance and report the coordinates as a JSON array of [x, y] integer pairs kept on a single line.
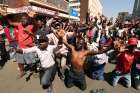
[[58, 4]]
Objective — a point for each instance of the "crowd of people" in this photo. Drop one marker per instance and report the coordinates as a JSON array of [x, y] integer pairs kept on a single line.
[[72, 49]]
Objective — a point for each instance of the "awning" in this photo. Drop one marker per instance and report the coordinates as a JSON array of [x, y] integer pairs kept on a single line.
[[69, 16], [37, 9]]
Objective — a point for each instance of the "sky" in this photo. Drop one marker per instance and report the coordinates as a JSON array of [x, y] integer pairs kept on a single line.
[[112, 7]]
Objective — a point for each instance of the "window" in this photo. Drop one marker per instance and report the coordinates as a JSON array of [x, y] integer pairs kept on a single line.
[[3, 1], [75, 1]]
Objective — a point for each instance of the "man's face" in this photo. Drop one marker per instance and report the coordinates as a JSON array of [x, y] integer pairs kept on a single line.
[[39, 23], [79, 44], [24, 20], [131, 48], [43, 45]]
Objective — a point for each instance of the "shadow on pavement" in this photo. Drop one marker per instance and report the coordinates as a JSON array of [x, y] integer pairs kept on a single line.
[[2, 63], [4, 60]]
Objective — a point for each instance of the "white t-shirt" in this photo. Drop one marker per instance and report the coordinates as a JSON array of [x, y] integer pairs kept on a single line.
[[93, 46], [120, 32], [100, 58], [46, 56]]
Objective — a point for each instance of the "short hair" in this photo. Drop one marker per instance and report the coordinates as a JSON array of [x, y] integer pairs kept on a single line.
[[24, 15], [43, 38]]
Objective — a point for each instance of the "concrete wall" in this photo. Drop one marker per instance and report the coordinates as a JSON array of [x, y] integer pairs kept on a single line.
[[17, 3], [83, 10]]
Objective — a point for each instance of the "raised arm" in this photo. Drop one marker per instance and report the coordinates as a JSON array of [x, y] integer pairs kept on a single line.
[[13, 23], [88, 52], [27, 50], [68, 45], [60, 34], [28, 32]]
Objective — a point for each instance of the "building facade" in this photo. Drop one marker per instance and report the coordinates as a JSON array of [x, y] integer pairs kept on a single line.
[[136, 10], [94, 8], [123, 16], [75, 4], [90, 9], [48, 7], [3, 7]]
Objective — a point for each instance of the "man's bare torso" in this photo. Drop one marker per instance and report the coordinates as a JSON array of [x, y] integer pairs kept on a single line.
[[78, 60]]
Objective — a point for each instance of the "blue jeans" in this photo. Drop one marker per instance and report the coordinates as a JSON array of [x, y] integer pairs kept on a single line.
[[47, 76], [137, 81], [126, 78], [98, 72]]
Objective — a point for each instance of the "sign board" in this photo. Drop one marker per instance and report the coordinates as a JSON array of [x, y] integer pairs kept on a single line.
[[73, 12], [35, 9], [43, 10], [22, 9]]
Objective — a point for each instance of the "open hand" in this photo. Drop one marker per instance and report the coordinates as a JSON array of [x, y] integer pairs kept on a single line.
[[62, 31]]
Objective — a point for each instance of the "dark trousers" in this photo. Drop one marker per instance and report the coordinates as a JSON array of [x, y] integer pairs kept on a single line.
[[75, 78]]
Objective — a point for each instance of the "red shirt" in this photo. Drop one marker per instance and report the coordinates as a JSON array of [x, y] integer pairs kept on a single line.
[[125, 61], [25, 40]]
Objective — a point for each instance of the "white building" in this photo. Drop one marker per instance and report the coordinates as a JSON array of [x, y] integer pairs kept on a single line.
[[95, 8], [90, 8]]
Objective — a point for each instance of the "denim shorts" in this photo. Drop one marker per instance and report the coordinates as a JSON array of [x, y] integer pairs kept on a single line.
[[25, 58]]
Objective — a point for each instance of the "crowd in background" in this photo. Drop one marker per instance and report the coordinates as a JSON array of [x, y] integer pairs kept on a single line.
[[72, 49]]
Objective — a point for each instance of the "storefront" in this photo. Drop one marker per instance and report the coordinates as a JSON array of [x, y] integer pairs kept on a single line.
[[46, 7], [40, 10]]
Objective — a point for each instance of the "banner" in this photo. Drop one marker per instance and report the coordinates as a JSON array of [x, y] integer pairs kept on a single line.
[[73, 12]]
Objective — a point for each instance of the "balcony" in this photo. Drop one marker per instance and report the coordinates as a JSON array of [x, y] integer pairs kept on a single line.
[[60, 5]]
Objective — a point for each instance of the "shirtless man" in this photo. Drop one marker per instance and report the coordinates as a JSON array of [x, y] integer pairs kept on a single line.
[[78, 55]]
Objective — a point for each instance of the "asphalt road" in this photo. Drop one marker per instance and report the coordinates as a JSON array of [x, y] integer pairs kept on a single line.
[[9, 83]]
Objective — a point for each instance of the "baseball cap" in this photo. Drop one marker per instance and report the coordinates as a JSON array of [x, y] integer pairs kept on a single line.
[[132, 41]]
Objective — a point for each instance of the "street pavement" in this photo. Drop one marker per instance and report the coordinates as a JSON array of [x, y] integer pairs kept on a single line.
[[9, 83]]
